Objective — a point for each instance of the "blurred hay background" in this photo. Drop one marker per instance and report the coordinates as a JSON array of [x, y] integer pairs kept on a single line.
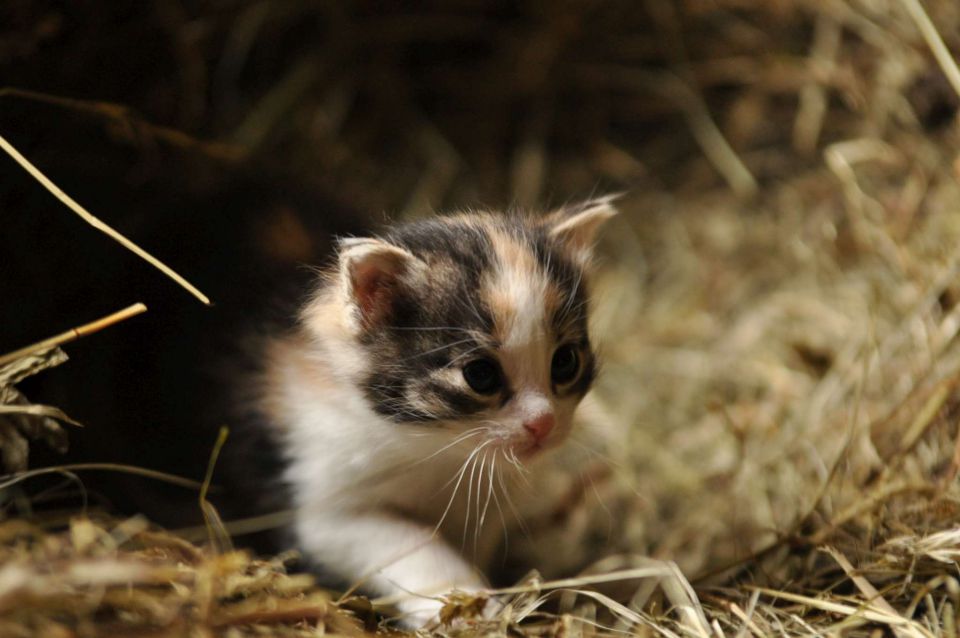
[[778, 305]]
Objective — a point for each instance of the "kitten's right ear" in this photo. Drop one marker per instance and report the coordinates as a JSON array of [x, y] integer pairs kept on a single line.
[[576, 226], [369, 273]]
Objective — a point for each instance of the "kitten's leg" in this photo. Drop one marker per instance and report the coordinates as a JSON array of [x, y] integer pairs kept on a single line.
[[394, 556]]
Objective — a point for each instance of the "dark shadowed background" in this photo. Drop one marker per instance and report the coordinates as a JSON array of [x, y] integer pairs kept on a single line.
[[777, 305]]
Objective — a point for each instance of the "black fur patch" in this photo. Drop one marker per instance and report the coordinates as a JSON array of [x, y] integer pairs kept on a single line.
[[587, 374]]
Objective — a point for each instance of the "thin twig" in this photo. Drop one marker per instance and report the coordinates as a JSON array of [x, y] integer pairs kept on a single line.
[[218, 535], [12, 479], [934, 41], [86, 216], [75, 333]]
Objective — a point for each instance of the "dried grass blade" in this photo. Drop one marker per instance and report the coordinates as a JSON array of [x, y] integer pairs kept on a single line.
[[75, 333], [925, 417], [12, 479], [216, 530], [626, 574], [86, 216], [747, 619], [867, 612], [34, 409], [682, 596], [934, 41], [625, 613], [869, 591]]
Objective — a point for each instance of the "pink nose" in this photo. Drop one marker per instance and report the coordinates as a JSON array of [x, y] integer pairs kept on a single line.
[[540, 426]]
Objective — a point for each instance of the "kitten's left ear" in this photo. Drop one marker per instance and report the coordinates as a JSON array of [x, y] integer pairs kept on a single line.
[[370, 271], [576, 226]]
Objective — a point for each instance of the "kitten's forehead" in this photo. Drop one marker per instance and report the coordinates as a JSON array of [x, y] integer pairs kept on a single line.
[[499, 274], [515, 289]]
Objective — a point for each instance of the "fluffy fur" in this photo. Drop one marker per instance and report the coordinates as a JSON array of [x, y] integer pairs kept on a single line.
[[394, 462]]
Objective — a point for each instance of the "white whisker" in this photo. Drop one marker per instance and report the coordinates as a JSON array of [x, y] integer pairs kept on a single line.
[[478, 522], [521, 470], [493, 462], [513, 508], [397, 469], [466, 518], [460, 439], [458, 476], [437, 349], [464, 355], [584, 478], [624, 471], [469, 331], [496, 501]]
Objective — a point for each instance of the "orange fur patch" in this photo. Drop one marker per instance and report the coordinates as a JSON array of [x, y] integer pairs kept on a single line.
[[516, 266], [289, 361]]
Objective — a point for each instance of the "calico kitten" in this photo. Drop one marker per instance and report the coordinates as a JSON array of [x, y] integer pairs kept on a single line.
[[431, 366]]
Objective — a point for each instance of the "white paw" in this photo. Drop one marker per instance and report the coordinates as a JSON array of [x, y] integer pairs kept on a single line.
[[417, 613], [458, 608]]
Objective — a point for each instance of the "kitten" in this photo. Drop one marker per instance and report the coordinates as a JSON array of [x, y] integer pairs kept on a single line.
[[432, 365]]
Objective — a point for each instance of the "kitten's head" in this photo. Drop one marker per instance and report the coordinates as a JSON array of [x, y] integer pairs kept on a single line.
[[474, 321]]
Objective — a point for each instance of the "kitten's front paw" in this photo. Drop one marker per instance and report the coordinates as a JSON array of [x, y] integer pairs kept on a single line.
[[419, 613], [456, 608]]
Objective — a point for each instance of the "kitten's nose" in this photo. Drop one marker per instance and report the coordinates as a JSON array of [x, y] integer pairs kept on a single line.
[[540, 426]]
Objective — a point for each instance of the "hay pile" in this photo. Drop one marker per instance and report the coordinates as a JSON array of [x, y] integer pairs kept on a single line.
[[776, 421]]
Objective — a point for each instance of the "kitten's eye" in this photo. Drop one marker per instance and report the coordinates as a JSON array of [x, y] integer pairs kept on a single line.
[[565, 364], [483, 376]]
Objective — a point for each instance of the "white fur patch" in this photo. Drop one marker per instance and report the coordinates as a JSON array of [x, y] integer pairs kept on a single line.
[[351, 471]]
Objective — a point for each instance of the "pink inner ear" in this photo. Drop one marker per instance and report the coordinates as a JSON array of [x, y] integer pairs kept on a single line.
[[371, 289]]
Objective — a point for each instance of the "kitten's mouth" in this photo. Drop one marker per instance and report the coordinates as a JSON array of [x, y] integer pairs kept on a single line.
[[530, 450]]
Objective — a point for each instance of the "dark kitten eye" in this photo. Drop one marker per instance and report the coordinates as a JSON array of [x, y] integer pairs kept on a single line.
[[483, 375], [565, 364]]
